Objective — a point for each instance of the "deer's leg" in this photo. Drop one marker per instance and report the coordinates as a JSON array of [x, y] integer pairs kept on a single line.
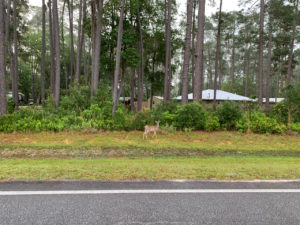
[[154, 134]]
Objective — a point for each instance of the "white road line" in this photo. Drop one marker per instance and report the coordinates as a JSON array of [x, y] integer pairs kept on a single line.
[[162, 191]]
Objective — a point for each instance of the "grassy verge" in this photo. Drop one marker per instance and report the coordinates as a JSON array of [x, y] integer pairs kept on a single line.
[[221, 168], [131, 144], [126, 156]]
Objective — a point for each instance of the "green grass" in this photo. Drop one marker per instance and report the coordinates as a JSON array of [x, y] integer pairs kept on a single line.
[[220, 168], [131, 144], [126, 156]]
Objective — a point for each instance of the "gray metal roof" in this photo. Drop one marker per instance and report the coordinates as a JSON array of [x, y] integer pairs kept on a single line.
[[208, 95]]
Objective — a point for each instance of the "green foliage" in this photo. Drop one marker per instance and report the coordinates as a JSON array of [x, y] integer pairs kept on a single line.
[[260, 123], [130, 57], [78, 100], [280, 112], [295, 127], [165, 112], [32, 119], [190, 116], [122, 120], [169, 106], [212, 123], [79, 113], [293, 101], [229, 113], [25, 80], [157, 82], [141, 119], [10, 105], [243, 124]]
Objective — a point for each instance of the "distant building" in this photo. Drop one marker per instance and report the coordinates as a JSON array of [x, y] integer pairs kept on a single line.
[[273, 100], [208, 96]]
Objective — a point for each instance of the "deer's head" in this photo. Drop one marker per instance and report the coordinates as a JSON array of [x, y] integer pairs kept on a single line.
[[157, 123]]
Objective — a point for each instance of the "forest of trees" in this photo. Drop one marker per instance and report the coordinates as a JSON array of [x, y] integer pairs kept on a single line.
[[141, 48]]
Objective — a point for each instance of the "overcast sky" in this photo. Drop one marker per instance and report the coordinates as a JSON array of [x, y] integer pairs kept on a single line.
[[228, 5]]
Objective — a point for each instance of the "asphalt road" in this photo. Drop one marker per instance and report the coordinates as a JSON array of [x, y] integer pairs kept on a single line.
[[164, 202]]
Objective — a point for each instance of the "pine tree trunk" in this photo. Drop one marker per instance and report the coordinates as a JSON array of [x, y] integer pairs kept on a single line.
[[57, 53], [52, 50], [141, 66], [151, 88], [187, 53], [43, 51], [15, 79], [122, 84], [79, 46], [93, 42], [292, 43], [168, 65], [268, 78], [210, 70], [247, 71], [33, 81], [7, 24], [97, 48], [2, 63], [85, 66], [220, 73], [261, 53], [72, 51], [132, 89], [233, 64], [83, 46], [63, 46], [118, 59], [198, 86], [132, 75], [193, 44], [217, 54]]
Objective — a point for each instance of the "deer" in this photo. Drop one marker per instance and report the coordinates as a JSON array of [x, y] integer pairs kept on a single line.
[[149, 129]]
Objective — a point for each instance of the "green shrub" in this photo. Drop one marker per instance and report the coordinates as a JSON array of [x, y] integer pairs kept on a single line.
[[123, 120], [103, 96], [7, 123], [49, 105], [292, 93], [53, 124], [141, 119], [169, 106], [94, 112], [10, 105], [166, 118], [78, 100], [229, 113], [295, 127], [243, 124], [165, 112], [280, 112], [99, 118], [260, 123], [190, 116], [212, 123]]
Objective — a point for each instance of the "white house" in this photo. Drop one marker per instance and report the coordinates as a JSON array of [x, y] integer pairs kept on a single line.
[[208, 95]]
